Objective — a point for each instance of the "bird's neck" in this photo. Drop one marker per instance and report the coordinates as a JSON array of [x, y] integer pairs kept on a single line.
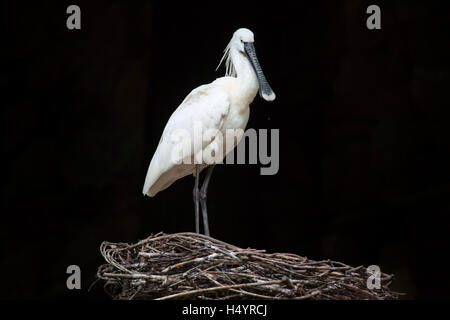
[[247, 82]]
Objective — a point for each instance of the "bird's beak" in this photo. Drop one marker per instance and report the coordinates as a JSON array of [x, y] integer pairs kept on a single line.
[[265, 91]]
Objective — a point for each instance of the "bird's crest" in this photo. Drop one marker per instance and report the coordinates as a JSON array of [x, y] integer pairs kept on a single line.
[[229, 67]]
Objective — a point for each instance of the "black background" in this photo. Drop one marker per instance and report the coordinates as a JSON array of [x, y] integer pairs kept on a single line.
[[364, 137]]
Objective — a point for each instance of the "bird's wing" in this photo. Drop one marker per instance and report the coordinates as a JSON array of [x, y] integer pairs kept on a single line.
[[203, 109]]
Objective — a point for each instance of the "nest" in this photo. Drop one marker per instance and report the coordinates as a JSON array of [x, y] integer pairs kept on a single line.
[[194, 266]]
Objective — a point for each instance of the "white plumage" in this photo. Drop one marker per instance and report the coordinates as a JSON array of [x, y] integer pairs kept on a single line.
[[220, 105]]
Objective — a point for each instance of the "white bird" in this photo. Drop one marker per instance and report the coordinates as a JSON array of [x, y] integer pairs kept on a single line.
[[220, 105]]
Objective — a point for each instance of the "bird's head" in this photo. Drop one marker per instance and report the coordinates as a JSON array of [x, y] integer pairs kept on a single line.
[[242, 41], [240, 38]]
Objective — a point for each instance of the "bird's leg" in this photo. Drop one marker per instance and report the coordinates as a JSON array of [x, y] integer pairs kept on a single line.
[[203, 192], [197, 199]]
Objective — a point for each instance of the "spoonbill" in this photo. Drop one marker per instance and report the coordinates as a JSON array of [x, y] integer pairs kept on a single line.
[[220, 105]]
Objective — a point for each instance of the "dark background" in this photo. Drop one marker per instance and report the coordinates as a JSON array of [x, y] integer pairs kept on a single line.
[[364, 137]]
